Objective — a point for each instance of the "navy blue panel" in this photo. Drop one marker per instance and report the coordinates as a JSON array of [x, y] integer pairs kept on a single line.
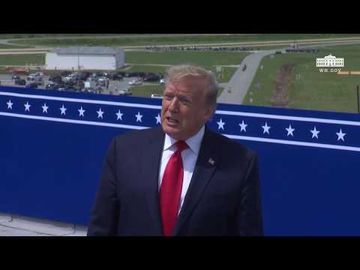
[[51, 158], [50, 169], [309, 191]]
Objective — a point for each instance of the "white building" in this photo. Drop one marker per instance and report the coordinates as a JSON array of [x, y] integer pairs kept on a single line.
[[85, 58], [330, 61]]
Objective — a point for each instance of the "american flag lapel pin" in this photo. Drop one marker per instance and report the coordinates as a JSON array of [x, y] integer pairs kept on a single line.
[[211, 161]]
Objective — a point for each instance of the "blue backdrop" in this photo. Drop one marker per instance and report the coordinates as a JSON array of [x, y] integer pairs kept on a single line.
[[53, 144]]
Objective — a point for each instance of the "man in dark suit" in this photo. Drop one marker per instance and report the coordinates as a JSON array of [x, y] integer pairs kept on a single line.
[[179, 179]]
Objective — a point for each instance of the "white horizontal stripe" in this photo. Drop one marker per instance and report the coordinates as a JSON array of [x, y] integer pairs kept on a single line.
[[53, 119], [295, 118], [318, 145], [247, 138], [137, 105]]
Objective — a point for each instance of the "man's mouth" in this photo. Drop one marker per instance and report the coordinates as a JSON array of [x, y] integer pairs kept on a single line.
[[172, 120]]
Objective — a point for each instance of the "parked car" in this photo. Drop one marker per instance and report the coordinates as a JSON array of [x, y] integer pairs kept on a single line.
[[32, 85], [115, 76], [35, 78], [156, 96], [50, 85], [136, 82], [65, 73], [20, 82], [35, 75], [152, 77], [55, 78], [125, 92]]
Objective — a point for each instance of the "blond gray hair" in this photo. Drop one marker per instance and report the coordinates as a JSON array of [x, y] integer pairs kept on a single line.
[[178, 72]]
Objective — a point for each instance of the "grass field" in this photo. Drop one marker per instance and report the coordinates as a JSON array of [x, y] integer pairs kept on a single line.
[[170, 39], [159, 61], [207, 59], [224, 76], [147, 90], [153, 62], [309, 88], [22, 59], [8, 46]]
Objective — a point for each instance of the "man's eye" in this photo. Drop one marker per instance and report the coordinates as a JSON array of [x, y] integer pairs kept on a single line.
[[184, 100]]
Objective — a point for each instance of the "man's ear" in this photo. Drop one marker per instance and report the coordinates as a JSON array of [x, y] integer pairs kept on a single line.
[[209, 112]]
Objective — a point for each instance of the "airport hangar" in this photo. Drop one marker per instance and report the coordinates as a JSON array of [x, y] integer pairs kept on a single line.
[[85, 58]]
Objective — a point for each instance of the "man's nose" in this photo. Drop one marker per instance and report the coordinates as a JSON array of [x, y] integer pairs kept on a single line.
[[174, 105]]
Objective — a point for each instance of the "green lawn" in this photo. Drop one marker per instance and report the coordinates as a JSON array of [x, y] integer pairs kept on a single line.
[[154, 62], [224, 76], [22, 59], [156, 39], [146, 90], [208, 60], [145, 68], [309, 88], [8, 46]]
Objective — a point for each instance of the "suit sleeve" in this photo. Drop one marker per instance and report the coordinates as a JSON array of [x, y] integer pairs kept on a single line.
[[249, 211], [104, 216]]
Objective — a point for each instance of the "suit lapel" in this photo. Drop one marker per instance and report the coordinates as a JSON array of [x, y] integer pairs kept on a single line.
[[203, 171], [151, 160]]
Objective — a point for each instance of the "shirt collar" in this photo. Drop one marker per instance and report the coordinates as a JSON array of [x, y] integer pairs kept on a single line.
[[193, 142]]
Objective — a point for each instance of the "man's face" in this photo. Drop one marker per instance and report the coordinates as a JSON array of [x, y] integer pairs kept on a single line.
[[184, 108]]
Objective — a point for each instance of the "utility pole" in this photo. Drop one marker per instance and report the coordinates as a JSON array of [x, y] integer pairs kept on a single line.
[[78, 57]]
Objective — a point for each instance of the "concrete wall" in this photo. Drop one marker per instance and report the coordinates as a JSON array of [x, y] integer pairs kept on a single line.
[[120, 59]]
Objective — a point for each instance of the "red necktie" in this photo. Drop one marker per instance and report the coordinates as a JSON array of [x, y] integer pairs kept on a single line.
[[170, 190]]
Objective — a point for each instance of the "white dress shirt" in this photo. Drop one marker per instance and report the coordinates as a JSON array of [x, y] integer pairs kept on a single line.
[[189, 157]]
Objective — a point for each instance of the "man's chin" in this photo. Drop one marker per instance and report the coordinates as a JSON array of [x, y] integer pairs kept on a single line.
[[172, 131]]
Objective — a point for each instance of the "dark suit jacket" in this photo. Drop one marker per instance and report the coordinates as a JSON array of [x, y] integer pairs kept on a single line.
[[223, 197]]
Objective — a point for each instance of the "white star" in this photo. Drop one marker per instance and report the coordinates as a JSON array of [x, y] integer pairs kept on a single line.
[[290, 131], [315, 133], [266, 128], [63, 110], [158, 119], [243, 126], [9, 103], [221, 124], [340, 135], [119, 115], [81, 111], [45, 108], [100, 113], [27, 106], [138, 117]]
